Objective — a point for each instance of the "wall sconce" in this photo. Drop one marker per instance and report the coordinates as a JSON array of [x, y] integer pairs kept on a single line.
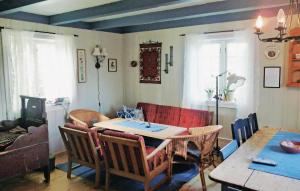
[[167, 60], [100, 54]]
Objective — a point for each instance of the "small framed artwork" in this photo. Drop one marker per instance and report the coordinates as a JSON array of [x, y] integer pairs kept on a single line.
[[81, 65], [112, 65], [272, 77]]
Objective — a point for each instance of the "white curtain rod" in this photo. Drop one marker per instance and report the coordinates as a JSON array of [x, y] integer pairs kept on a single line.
[[1, 27], [214, 32]]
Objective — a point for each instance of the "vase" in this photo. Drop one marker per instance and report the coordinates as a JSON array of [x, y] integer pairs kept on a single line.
[[228, 97], [210, 96]]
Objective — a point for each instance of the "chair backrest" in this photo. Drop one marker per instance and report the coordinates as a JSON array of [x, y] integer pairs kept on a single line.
[[208, 136], [86, 117], [241, 130], [209, 140], [33, 111], [80, 145], [253, 122], [124, 154]]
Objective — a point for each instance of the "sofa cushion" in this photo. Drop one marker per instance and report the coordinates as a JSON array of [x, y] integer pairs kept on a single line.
[[131, 113], [149, 111], [85, 129], [194, 118], [167, 115]]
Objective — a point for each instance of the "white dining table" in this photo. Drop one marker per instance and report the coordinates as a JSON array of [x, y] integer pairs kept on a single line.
[[234, 170]]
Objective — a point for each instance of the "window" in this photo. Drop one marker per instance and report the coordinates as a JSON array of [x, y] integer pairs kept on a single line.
[[37, 64], [208, 55], [221, 56]]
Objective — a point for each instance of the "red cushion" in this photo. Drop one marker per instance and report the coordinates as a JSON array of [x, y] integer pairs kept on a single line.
[[194, 118], [149, 111], [123, 135], [167, 115], [85, 129]]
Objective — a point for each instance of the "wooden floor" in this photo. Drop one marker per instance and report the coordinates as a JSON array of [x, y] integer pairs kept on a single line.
[[59, 182]]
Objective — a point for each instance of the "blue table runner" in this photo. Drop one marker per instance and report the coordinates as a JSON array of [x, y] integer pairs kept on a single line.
[[287, 164], [141, 125]]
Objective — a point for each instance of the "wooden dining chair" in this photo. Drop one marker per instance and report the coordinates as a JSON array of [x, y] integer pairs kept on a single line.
[[225, 152], [86, 117], [126, 155], [83, 148], [253, 122], [204, 139], [241, 130]]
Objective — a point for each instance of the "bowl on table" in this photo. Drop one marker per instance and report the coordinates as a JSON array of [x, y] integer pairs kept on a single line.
[[290, 146]]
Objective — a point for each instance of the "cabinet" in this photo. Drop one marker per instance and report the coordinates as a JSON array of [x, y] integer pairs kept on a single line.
[[294, 60], [55, 117]]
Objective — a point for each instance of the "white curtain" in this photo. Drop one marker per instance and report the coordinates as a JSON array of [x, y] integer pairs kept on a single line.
[[194, 72], [2, 88], [37, 64], [202, 62], [248, 67]]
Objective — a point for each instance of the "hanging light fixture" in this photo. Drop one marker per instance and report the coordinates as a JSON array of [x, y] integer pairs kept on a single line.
[[284, 23]]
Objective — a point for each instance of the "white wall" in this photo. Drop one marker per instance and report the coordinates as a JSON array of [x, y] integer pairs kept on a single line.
[[110, 82], [276, 107]]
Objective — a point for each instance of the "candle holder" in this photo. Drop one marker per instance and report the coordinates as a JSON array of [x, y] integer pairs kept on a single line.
[[167, 62]]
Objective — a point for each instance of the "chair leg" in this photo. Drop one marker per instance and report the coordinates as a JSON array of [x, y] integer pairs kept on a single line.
[[69, 168], [146, 186], [107, 180], [169, 171], [46, 174], [97, 178], [202, 177]]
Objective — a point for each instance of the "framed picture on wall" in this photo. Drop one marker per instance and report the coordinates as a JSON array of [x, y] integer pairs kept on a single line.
[[272, 75], [81, 66], [112, 65]]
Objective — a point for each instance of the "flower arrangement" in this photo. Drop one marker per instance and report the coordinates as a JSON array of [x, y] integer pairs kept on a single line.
[[232, 83]]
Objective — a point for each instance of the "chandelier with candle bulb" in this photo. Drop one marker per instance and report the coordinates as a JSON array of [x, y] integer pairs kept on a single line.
[[284, 24]]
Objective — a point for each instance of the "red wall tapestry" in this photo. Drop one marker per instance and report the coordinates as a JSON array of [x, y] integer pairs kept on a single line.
[[150, 61]]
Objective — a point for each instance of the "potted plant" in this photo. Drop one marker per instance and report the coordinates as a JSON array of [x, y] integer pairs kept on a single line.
[[209, 93], [227, 94]]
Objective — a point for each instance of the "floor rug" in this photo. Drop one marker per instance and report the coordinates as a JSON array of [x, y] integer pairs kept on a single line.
[[181, 175]]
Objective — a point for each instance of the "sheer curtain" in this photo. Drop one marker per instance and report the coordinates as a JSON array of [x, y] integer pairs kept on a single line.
[[195, 74], [37, 64], [247, 66]]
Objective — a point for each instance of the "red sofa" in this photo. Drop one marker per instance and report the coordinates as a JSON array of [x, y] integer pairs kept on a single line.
[[176, 116]]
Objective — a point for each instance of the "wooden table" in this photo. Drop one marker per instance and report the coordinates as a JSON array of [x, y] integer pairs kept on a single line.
[[170, 131], [234, 170]]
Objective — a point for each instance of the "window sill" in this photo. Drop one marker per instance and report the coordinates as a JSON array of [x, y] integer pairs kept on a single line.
[[223, 104]]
